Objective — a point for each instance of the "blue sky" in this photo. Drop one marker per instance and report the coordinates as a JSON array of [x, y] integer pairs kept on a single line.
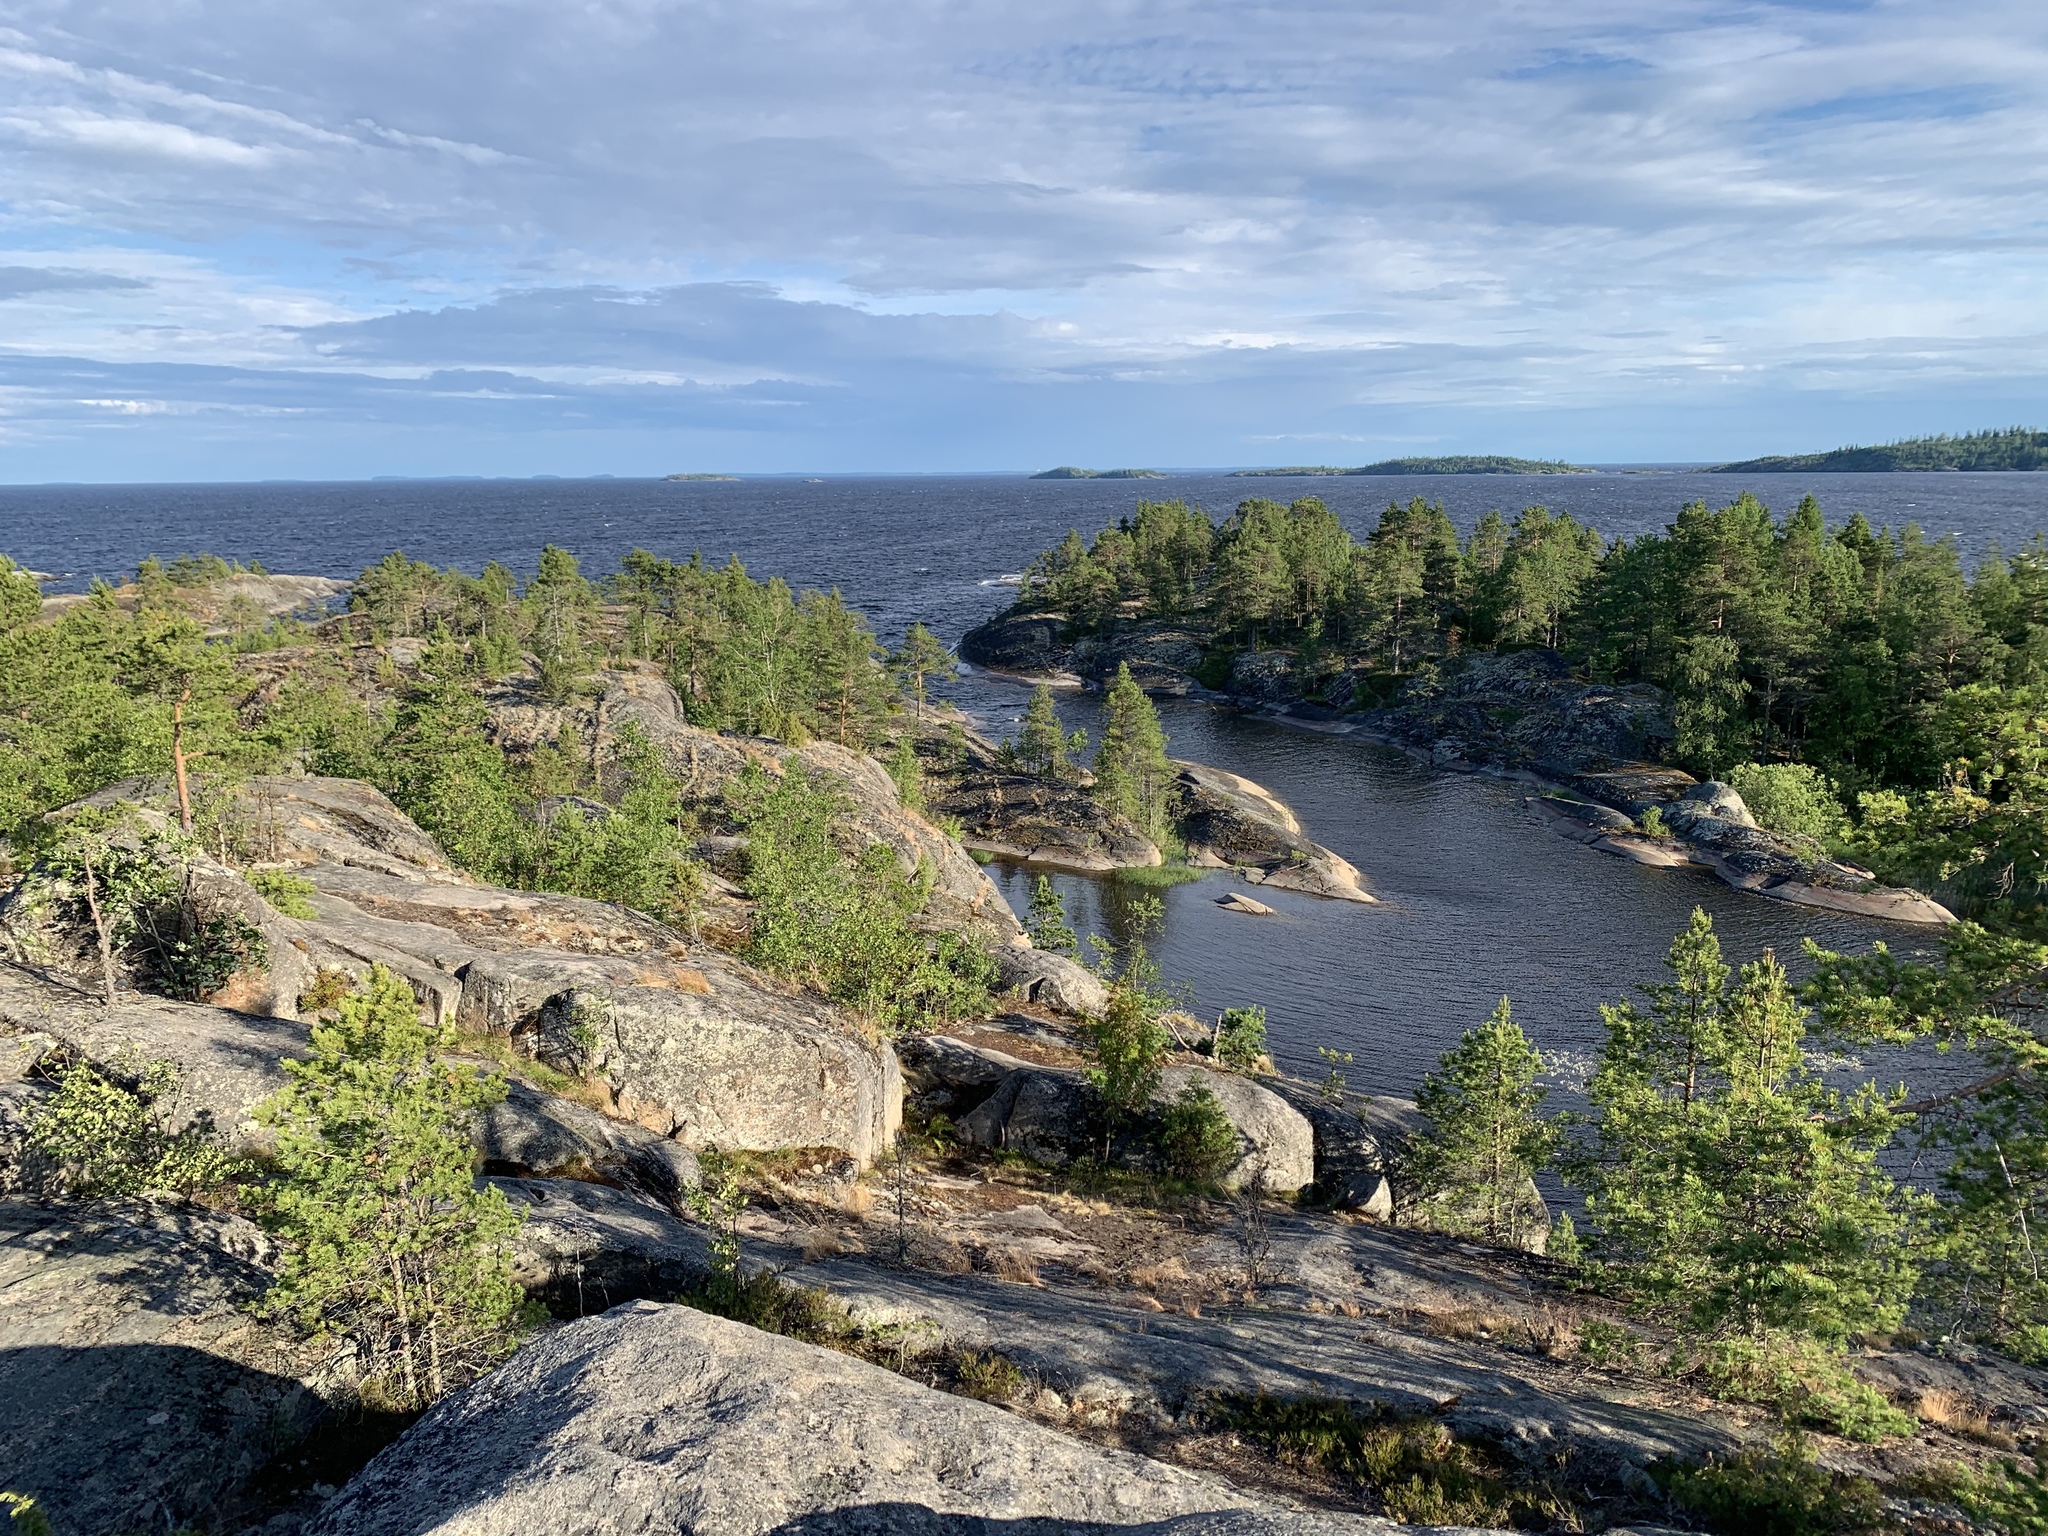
[[243, 240]]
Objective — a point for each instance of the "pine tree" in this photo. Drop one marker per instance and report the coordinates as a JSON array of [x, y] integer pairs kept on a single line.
[[387, 1238], [1132, 773], [1047, 923], [922, 655], [1470, 1173], [1042, 746], [1728, 1187]]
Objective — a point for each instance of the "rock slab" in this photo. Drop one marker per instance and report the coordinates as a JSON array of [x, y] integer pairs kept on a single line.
[[662, 1419]]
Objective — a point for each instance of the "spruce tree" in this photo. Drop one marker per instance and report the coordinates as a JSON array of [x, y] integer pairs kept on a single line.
[[1470, 1173], [1132, 773], [387, 1238]]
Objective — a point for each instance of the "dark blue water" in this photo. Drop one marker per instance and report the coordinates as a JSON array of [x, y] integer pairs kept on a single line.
[[1477, 899]]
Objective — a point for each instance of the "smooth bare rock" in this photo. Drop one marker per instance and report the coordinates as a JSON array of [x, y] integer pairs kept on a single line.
[[659, 1419], [136, 1390], [1053, 981], [959, 1065], [1049, 1115], [334, 821], [229, 1062], [1231, 820], [741, 1064], [1237, 901], [1710, 797]]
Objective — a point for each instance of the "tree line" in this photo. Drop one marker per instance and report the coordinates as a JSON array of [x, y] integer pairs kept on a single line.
[[1915, 690]]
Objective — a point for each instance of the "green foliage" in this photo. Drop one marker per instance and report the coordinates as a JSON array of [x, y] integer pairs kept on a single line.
[[1414, 1467], [1047, 920], [719, 1202], [921, 656], [1042, 746], [2004, 1497], [1241, 1039], [111, 1137], [843, 923], [288, 893], [387, 1239], [907, 776], [1126, 1042], [1132, 773], [2008, 448], [1791, 798], [1776, 1492], [1800, 1376], [1332, 1085], [1470, 1172], [23, 1518], [21, 596], [1194, 1137]]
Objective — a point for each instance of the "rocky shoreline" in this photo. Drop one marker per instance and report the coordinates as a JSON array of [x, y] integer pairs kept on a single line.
[[1588, 749]]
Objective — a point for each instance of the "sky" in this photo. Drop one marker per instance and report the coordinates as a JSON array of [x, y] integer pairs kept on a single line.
[[246, 240]]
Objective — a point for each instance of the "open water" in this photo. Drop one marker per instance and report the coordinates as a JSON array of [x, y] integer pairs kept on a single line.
[[1477, 900]]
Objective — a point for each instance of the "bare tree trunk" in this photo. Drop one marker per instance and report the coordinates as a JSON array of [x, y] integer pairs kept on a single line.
[[179, 759], [99, 926]]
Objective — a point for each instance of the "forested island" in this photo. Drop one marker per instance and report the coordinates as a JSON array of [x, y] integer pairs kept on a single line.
[[2011, 448], [1454, 464], [1072, 472], [389, 991]]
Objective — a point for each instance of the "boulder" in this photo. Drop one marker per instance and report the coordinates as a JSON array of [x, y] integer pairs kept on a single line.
[[136, 1390], [657, 1418], [1237, 901], [1052, 981], [1351, 1167], [1026, 645], [944, 1062], [530, 1132], [1049, 1115], [1709, 798], [584, 1248], [739, 1064], [1229, 820]]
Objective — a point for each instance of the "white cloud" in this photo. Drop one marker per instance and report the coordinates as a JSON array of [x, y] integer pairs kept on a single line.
[[1474, 206]]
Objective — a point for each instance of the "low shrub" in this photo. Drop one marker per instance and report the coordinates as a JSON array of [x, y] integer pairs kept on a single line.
[[1802, 1378], [288, 893], [1195, 1138], [101, 1137], [1791, 798], [2006, 1497], [1777, 1492], [1241, 1039]]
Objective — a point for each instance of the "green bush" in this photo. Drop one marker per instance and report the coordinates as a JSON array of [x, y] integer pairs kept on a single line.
[[1195, 1138], [1803, 1379], [1779, 1492], [102, 1137], [2006, 1497], [1241, 1039], [286, 892], [1791, 798]]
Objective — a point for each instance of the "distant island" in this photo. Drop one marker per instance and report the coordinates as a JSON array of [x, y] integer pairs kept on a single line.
[[1454, 464], [1071, 472], [2013, 448], [700, 477]]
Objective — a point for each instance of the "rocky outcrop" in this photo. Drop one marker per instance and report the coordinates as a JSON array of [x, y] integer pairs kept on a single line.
[[699, 1047], [1230, 821], [962, 898], [1524, 709], [1024, 645], [1052, 981], [1052, 822], [265, 595], [583, 1248], [1050, 1115], [1707, 824], [739, 1065], [136, 1390], [1351, 1165], [656, 1418]]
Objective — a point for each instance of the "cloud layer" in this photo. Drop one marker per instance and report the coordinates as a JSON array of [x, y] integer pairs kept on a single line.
[[805, 234]]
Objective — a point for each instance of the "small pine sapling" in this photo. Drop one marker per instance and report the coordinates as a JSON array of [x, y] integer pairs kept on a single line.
[[1470, 1172]]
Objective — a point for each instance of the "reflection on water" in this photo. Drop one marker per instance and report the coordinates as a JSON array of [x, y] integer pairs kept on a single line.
[[1477, 900]]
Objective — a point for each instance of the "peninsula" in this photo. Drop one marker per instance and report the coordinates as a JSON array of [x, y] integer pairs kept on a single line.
[[1454, 464], [2021, 448]]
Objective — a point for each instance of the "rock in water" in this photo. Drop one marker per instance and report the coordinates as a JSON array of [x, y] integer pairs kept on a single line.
[[664, 1419], [1237, 901]]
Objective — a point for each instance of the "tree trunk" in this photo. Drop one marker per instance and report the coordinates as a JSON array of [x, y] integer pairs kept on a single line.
[[99, 928], [179, 759]]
